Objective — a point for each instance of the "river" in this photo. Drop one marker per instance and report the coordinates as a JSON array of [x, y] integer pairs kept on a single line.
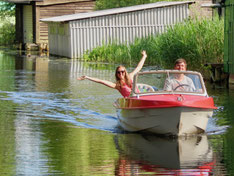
[[53, 124]]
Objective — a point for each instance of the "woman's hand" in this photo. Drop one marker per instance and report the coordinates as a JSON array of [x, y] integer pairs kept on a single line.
[[82, 78], [144, 53], [140, 65]]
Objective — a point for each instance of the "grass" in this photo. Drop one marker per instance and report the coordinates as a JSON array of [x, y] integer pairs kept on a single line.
[[198, 41]]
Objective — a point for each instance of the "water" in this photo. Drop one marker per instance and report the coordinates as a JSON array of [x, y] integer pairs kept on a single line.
[[52, 124]]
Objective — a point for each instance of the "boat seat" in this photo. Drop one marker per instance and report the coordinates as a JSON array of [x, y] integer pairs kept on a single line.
[[145, 88]]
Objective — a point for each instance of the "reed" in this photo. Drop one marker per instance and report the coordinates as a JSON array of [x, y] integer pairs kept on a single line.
[[199, 41], [112, 53]]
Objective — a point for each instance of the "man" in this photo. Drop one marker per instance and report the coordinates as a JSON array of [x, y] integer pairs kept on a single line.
[[179, 82]]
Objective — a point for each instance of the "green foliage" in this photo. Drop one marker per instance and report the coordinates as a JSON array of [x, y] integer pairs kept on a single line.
[[6, 9], [109, 4], [7, 33], [149, 44], [198, 41], [7, 28], [114, 53]]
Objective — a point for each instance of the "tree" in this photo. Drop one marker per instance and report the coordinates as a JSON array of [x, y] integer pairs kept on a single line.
[[7, 22], [6, 9], [109, 4]]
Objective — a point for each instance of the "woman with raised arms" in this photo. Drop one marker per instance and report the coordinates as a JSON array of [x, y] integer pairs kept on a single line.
[[124, 79]]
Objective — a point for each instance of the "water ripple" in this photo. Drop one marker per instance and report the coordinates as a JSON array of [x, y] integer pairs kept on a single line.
[[51, 106]]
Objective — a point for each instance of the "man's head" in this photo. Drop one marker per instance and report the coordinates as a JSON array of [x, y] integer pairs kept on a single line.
[[180, 64]]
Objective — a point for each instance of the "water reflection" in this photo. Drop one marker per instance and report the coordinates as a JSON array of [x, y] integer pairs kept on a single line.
[[45, 117], [152, 154], [52, 124]]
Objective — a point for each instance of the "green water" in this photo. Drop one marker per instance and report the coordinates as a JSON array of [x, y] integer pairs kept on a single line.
[[52, 124]]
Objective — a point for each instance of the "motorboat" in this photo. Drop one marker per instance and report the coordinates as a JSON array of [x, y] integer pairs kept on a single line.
[[168, 102]]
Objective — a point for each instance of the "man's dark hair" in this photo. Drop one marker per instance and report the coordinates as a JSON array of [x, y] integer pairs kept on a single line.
[[180, 60]]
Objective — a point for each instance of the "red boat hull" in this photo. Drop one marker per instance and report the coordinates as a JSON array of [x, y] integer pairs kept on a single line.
[[166, 101]]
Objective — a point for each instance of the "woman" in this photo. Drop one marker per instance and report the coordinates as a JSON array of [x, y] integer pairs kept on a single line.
[[123, 80]]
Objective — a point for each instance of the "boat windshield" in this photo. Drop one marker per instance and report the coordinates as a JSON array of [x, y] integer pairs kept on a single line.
[[162, 82]]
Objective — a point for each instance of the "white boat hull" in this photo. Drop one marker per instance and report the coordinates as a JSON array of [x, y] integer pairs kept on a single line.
[[172, 121]]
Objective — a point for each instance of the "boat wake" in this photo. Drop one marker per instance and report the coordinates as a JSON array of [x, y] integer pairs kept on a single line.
[[53, 106], [56, 106], [214, 129]]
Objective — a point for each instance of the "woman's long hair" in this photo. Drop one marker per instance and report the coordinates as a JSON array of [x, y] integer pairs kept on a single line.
[[127, 79]]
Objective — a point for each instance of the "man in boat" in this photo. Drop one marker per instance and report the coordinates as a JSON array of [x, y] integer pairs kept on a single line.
[[179, 82]]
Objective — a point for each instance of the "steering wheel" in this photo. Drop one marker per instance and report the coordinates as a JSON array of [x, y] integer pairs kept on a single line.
[[181, 85]]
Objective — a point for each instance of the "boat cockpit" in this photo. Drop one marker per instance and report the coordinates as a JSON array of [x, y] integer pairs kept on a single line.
[[167, 82]]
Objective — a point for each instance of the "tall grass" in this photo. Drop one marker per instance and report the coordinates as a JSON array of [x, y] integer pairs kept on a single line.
[[112, 53], [198, 41]]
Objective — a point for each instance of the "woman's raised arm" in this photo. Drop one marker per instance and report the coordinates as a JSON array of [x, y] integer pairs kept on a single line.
[[104, 82], [140, 65]]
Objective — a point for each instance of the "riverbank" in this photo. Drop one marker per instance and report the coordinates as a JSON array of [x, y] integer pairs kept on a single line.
[[198, 41]]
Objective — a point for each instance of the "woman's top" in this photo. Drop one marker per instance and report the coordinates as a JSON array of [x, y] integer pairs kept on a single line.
[[125, 90]]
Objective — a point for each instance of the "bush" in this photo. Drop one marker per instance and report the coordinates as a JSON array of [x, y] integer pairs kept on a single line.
[[7, 33]]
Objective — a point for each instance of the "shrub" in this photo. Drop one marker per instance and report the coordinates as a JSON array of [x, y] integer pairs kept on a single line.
[[7, 33]]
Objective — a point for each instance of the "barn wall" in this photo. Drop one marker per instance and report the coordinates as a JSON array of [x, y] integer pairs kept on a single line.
[[197, 11], [229, 40], [19, 23], [122, 28], [58, 10], [27, 24], [59, 39]]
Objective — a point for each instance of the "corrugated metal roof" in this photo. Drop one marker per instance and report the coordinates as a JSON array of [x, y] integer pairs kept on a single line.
[[78, 16]]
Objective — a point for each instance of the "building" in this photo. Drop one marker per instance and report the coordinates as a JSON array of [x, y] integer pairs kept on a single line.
[[72, 35], [29, 28], [229, 39]]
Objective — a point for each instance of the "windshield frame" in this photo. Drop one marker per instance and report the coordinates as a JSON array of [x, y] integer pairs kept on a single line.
[[168, 73]]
